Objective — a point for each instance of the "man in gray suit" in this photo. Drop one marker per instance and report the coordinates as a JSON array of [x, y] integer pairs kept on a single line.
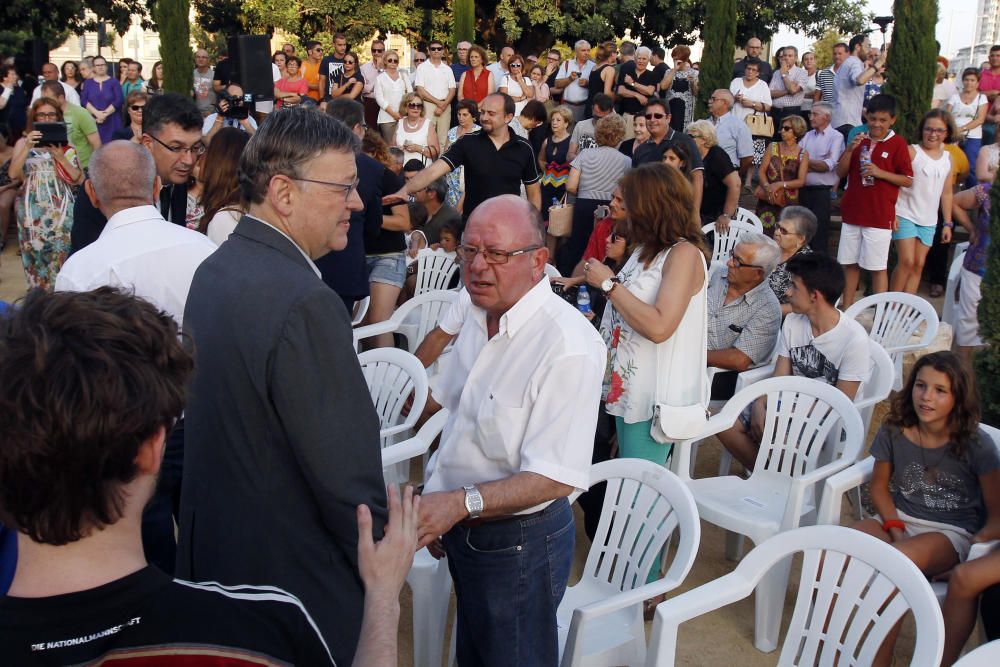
[[282, 439]]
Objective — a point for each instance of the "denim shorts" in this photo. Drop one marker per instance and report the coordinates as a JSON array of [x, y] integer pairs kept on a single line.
[[909, 229], [387, 269]]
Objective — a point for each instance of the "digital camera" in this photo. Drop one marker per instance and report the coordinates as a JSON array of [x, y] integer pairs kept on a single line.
[[237, 106]]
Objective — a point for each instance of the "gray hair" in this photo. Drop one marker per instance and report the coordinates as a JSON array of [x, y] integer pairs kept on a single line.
[[286, 141], [643, 51], [627, 49], [823, 107], [766, 251], [581, 42], [727, 95], [439, 186], [804, 220], [705, 130], [122, 172]]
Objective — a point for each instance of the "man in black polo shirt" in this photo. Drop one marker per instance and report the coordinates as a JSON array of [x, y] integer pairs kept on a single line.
[[662, 137], [497, 161]]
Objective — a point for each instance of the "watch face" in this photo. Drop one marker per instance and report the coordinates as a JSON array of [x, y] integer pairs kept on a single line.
[[607, 284]]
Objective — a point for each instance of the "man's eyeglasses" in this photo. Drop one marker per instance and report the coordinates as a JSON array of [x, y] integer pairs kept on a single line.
[[740, 263], [346, 188], [419, 60], [378, 50], [197, 150], [784, 230], [137, 107], [657, 116], [436, 48], [467, 253]]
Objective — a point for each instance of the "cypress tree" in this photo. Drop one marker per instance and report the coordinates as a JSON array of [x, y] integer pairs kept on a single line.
[[987, 360], [463, 22], [912, 63], [175, 44], [717, 58]]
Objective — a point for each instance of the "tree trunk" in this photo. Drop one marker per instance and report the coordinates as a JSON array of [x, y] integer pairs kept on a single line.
[[912, 63], [175, 45], [717, 58]]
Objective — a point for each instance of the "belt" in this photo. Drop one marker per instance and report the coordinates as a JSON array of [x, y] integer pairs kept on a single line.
[[576, 104], [816, 187], [472, 523]]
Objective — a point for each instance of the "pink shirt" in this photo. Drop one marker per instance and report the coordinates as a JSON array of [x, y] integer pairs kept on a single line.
[[300, 87], [988, 80]]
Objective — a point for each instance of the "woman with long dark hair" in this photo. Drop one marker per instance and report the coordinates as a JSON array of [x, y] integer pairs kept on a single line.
[[218, 175]]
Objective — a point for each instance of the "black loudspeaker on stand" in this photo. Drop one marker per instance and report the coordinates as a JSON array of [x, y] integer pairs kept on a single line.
[[37, 53], [250, 58]]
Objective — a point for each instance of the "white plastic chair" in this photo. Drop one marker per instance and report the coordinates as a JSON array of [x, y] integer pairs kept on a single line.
[[551, 271], [802, 416], [414, 319], [360, 310], [896, 320], [725, 242], [954, 278], [851, 479], [853, 589], [392, 376], [435, 270], [748, 216], [600, 617], [429, 579], [987, 655]]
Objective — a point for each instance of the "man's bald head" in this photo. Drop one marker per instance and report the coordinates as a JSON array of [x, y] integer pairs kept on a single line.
[[122, 175], [516, 213]]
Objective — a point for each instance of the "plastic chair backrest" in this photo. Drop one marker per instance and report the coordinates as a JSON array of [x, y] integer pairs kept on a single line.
[[725, 242], [392, 375], [897, 318], [551, 271], [987, 655], [643, 504], [801, 415], [749, 217], [360, 310], [435, 270], [954, 277]]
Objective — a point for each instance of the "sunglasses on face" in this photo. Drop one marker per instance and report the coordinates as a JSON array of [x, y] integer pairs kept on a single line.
[[786, 128], [390, 62], [516, 65], [615, 237], [378, 50], [416, 105], [137, 107], [419, 60], [436, 48], [657, 116]]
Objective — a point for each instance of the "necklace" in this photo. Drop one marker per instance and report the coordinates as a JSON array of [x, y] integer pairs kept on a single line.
[[411, 126], [930, 471]]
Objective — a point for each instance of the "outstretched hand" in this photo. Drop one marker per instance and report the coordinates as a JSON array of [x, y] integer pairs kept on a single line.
[[383, 565], [400, 197]]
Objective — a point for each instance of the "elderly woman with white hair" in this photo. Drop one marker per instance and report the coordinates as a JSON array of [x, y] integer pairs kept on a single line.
[[721, 196], [637, 83], [793, 232]]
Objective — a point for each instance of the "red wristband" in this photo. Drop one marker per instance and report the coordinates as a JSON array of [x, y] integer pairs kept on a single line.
[[893, 523]]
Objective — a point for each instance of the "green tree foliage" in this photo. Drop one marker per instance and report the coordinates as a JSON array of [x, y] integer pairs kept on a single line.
[[175, 45], [51, 20], [463, 21], [717, 58], [987, 361], [912, 62], [823, 47]]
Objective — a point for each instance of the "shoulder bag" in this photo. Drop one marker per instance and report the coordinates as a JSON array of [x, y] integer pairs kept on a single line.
[[761, 125], [561, 218]]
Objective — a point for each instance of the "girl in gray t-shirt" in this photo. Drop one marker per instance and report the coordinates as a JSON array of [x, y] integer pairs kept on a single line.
[[936, 480]]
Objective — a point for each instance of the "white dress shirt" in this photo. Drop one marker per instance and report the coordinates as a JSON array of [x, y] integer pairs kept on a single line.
[[72, 96], [140, 251], [525, 400], [435, 79]]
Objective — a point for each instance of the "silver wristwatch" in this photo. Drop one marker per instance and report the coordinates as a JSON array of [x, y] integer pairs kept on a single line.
[[473, 501]]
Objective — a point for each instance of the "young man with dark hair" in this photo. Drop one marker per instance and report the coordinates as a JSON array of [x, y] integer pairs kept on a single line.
[[869, 205], [331, 65], [817, 341], [312, 69], [849, 83], [76, 468]]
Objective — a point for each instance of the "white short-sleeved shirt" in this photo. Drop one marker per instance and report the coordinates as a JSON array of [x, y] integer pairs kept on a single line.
[[758, 92], [141, 251], [456, 315], [525, 400], [575, 92], [839, 354], [966, 113], [436, 80]]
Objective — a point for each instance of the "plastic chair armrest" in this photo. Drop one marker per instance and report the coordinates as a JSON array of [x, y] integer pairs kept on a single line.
[[840, 483], [369, 330], [800, 485], [980, 549], [418, 444]]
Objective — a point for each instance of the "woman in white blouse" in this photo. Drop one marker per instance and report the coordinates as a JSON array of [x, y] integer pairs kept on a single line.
[[390, 87], [968, 108], [517, 84], [752, 95]]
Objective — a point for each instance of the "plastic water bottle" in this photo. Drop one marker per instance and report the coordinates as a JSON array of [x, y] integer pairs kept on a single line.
[[866, 159], [583, 300]]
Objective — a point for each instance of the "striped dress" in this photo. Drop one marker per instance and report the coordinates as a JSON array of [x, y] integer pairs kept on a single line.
[[556, 172]]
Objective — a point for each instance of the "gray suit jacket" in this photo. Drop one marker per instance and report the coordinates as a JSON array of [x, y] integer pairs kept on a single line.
[[281, 438]]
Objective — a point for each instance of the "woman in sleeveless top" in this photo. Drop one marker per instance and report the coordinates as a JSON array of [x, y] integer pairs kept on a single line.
[[414, 133], [917, 206], [782, 172], [477, 81], [602, 78], [659, 300], [553, 158]]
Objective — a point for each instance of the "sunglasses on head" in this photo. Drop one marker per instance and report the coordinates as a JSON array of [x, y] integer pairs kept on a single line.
[[657, 116]]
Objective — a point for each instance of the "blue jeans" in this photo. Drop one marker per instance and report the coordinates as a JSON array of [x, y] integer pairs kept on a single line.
[[971, 148], [509, 577]]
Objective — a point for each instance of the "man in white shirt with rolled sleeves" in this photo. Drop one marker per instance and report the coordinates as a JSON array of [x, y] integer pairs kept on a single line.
[[435, 84], [522, 386], [573, 80]]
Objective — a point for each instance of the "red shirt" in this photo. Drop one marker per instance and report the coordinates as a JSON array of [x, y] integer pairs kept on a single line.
[[598, 239], [988, 80], [875, 206]]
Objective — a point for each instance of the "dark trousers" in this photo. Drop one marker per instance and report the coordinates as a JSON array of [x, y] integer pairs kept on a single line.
[[989, 607], [510, 576], [816, 198], [583, 227], [936, 264], [592, 502], [158, 540]]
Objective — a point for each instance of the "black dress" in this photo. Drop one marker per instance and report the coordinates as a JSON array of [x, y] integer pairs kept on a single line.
[[556, 173]]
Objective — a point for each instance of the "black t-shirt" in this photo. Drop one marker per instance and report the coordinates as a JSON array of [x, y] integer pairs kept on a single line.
[[717, 167], [490, 172], [340, 77], [653, 152], [647, 78], [388, 240], [330, 67], [145, 618], [224, 74]]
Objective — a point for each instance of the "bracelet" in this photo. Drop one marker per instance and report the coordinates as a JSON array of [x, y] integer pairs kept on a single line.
[[948, 224], [893, 523]]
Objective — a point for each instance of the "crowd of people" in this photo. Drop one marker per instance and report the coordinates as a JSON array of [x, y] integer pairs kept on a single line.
[[256, 229]]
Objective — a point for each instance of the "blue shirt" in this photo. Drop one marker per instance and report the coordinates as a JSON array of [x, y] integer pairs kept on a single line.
[[827, 146], [849, 95], [733, 136]]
